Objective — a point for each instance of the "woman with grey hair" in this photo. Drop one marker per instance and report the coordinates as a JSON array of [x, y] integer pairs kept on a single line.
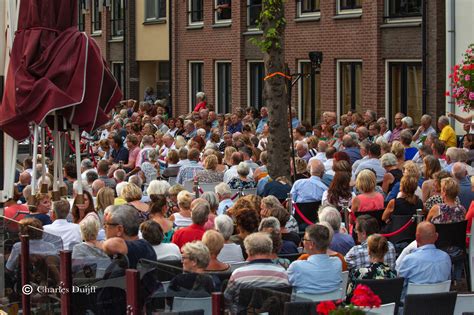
[[231, 252], [158, 187], [91, 247], [200, 102], [341, 242], [242, 181], [193, 282], [213, 200], [393, 174]]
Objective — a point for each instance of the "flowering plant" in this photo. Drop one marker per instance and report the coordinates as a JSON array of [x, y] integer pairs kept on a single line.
[[462, 81], [363, 297]]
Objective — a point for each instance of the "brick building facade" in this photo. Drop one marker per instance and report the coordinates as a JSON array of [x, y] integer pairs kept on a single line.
[[372, 55]]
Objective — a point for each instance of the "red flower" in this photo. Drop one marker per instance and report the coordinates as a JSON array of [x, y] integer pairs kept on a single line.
[[468, 67], [363, 296], [325, 307], [446, 93]]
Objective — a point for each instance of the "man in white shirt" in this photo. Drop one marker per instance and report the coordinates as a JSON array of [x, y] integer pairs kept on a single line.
[[236, 158], [70, 233]]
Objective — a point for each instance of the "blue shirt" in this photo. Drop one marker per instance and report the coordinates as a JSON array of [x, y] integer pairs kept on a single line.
[[261, 124], [341, 242], [371, 163], [261, 185], [410, 153], [354, 154], [319, 274], [295, 122], [308, 190], [424, 265], [120, 155], [466, 195], [233, 128], [224, 205]]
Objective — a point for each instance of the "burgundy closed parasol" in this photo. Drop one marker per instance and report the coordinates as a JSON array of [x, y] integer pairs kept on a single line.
[[54, 67]]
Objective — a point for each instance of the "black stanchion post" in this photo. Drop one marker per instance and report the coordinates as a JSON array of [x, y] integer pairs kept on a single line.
[[25, 286], [66, 280]]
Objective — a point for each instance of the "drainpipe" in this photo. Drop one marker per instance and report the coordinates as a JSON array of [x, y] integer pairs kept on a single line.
[[424, 54], [450, 49], [170, 59]]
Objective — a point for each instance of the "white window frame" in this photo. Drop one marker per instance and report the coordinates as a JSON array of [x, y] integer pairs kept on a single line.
[[94, 31], [190, 22], [338, 83], [112, 17], [248, 77], [113, 63], [387, 80], [342, 12], [221, 21], [302, 15], [216, 76], [190, 83], [300, 87], [399, 19], [157, 9]]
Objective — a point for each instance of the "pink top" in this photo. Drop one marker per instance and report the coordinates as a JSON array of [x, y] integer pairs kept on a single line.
[[199, 106], [133, 154], [371, 203]]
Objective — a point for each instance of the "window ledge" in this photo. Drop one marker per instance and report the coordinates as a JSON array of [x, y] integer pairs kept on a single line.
[[400, 24], [253, 32], [96, 34], [195, 27], [308, 18], [157, 21], [347, 16], [222, 25], [117, 39]]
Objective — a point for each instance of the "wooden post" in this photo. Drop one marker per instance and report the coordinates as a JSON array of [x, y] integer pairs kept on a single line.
[[26, 288], [133, 304], [66, 281]]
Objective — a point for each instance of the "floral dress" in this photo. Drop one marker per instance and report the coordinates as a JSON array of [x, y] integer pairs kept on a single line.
[[236, 183], [449, 214], [374, 271]]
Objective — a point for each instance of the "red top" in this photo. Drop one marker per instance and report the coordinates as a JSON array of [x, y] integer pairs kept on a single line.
[[199, 106], [469, 217], [15, 212], [188, 234]]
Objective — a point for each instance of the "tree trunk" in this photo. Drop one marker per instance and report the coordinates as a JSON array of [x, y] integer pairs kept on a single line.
[[275, 90]]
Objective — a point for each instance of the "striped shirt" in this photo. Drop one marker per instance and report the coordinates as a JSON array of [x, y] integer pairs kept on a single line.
[[257, 273]]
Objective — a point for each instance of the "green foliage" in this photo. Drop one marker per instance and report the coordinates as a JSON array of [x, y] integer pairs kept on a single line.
[[272, 22]]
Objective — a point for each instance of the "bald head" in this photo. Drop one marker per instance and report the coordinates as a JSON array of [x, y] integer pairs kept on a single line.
[[459, 171], [316, 167], [426, 233], [25, 178], [96, 186]]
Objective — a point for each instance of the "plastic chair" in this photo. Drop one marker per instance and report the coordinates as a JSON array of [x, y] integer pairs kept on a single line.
[[190, 304], [172, 180], [388, 290], [292, 308], [397, 221], [384, 309], [345, 280], [377, 214], [464, 304], [207, 186], [441, 287], [249, 191], [290, 257], [330, 296], [188, 185], [430, 304], [309, 210]]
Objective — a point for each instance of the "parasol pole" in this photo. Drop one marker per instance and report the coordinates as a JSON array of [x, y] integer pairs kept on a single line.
[[56, 195], [44, 186], [35, 155], [62, 187], [77, 144]]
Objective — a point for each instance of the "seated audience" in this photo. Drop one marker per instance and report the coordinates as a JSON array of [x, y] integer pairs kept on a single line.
[[310, 189], [341, 242], [158, 209], [230, 252], [449, 211], [407, 203], [243, 181], [153, 233], [320, 273], [40, 208], [368, 199], [182, 218], [259, 250], [199, 215], [91, 247], [393, 174], [225, 198], [214, 241], [210, 174], [69, 232]]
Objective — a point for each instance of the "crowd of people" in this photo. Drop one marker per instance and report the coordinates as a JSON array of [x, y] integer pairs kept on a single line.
[[135, 202]]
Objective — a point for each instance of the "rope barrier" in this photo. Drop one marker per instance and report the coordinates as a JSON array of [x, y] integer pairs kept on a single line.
[[69, 142], [271, 75], [91, 153], [400, 230], [305, 219], [234, 196], [201, 191]]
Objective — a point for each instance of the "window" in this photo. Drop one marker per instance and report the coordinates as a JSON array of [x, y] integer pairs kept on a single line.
[[308, 8], [350, 86], [224, 87], [96, 16], [254, 7], [196, 12], [82, 16], [402, 9], [155, 10], [306, 111], [405, 90], [163, 70], [117, 18], [118, 71], [256, 73], [349, 6], [223, 11], [195, 81]]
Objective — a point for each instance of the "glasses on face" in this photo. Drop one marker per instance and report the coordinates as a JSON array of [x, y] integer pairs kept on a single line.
[[184, 257], [106, 224], [306, 240]]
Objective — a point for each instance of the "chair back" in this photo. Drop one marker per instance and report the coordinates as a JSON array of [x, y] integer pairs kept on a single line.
[[440, 287], [181, 304], [397, 221], [249, 191], [345, 280], [309, 210], [384, 309], [377, 214], [464, 304], [389, 290], [451, 234], [430, 304], [208, 187], [290, 257], [172, 181], [161, 270], [307, 308], [330, 296], [188, 185]]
